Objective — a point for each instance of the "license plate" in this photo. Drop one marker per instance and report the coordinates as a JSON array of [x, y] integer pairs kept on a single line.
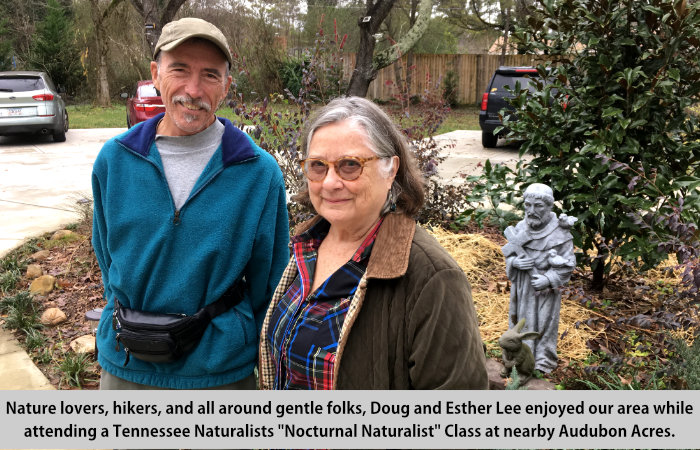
[[14, 112]]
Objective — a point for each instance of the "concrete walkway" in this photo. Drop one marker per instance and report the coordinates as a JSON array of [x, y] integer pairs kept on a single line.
[[40, 183], [17, 371]]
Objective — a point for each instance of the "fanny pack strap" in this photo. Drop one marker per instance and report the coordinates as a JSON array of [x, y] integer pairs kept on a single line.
[[232, 297]]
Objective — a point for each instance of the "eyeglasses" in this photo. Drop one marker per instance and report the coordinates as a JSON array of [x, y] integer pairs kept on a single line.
[[348, 167]]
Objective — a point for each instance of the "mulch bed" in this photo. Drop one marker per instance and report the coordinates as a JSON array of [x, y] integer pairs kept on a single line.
[[632, 321]]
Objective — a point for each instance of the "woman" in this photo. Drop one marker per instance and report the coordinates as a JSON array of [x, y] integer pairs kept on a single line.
[[369, 300]]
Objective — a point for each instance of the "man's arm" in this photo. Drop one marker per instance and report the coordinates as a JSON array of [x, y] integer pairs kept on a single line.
[[270, 252], [99, 232]]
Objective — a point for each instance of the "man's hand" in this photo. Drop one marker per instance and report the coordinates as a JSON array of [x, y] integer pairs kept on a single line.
[[523, 263], [539, 282]]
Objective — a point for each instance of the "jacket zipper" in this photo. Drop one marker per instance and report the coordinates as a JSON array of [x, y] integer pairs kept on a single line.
[[176, 215]]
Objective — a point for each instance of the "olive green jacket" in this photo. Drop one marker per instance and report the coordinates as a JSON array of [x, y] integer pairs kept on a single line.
[[411, 323]]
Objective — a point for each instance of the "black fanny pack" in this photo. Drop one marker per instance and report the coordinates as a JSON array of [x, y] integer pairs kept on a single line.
[[162, 338]]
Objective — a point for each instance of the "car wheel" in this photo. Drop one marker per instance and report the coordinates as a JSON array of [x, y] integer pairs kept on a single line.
[[488, 139], [60, 135]]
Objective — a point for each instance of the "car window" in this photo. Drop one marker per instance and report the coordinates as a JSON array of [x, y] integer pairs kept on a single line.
[[148, 90], [20, 84], [50, 84], [500, 82]]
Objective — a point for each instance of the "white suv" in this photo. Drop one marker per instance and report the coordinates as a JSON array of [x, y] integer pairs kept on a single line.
[[30, 103]]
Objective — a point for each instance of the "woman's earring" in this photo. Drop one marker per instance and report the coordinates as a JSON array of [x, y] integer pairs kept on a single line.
[[392, 200]]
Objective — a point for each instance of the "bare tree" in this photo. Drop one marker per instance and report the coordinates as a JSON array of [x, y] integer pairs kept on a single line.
[[367, 63], [486, 15], [99, 17], [156, 13]]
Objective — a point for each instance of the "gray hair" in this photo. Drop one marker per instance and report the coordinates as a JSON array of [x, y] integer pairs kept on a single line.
[[384, 139]]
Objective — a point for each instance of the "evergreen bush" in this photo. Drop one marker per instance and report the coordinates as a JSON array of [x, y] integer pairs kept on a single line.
[[612, 133]]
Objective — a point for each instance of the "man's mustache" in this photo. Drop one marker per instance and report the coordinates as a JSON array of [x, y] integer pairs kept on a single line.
[[186, 99]]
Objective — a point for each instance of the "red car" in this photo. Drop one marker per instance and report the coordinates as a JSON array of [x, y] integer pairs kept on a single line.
[[143, 104]]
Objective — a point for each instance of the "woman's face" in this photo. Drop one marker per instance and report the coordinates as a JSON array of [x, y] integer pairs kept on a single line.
[[351, 205]]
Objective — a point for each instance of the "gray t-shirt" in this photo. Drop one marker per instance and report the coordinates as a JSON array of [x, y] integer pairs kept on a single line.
[[185, 157]]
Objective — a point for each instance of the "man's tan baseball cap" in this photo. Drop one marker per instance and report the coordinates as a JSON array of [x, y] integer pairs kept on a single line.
[[177, 32]]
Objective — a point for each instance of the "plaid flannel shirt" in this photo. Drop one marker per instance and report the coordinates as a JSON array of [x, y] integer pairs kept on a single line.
[[305, 326]]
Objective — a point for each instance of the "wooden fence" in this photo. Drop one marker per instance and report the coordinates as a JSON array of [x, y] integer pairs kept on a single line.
[[428, 71]]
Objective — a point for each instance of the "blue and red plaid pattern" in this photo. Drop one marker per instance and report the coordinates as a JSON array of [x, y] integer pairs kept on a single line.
[[305, 326]]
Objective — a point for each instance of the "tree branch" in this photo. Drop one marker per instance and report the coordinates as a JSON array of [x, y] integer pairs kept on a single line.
[[138, 6], [170, 10], [388, 56], [112, 6]]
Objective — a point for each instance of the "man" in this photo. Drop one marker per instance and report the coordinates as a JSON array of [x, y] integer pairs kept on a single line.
[[186, 207], [539, 260]]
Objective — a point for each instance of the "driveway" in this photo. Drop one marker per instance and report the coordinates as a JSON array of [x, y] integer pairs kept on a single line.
[[41, 181]]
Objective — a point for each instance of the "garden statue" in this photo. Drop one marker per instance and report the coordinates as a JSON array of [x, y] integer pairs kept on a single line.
[[516, 354], [539, 260]]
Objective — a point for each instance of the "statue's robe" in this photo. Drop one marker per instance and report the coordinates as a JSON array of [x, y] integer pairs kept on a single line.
[[539, 308]]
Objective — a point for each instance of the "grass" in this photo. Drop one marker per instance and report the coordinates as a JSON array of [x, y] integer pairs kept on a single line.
[[461, 118], [22, 311], [88, 116], [74, 367]]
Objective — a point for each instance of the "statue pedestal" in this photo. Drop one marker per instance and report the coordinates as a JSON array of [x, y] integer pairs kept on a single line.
[[496, 383]]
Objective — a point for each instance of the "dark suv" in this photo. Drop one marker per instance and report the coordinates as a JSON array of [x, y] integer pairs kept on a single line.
[[494, 99]]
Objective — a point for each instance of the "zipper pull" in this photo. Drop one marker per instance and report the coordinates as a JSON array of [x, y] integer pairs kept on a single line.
[[176, 218], [116, 325], [118, 339], [128, 355]]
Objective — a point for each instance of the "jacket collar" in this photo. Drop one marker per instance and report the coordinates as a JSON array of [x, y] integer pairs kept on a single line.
[[236, 145], [392, 247]]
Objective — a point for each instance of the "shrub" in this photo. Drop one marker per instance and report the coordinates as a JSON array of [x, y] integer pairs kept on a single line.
[[687, 363], [292, 73], [449, 88], [614, 114]]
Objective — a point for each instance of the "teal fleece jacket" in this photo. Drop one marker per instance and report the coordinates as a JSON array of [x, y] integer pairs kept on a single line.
[[154, 258]]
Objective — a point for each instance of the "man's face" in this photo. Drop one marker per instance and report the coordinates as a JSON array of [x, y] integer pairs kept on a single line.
[[192, 81], [536, 212]]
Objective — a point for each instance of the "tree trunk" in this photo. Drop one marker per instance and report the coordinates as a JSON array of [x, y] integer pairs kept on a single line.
[[598, 268], [367, 64], [390, 55], [151, 21], [154, 17], [103, 97], [409, 58], [506, 29], [364, 71]]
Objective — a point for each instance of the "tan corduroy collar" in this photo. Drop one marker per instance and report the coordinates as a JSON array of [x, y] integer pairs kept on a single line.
[[391, 249]]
